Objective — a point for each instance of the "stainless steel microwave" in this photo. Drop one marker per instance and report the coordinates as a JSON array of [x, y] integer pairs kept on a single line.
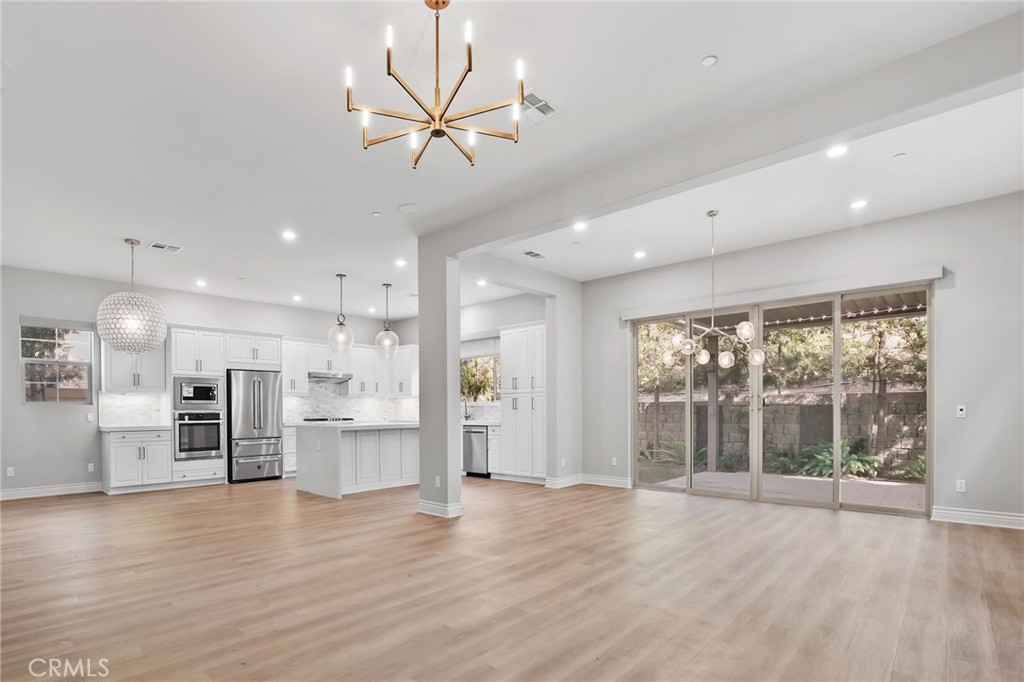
[[198, 393]]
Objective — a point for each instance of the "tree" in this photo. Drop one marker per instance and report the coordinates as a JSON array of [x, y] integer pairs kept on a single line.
[[653, 374], [476, 378]]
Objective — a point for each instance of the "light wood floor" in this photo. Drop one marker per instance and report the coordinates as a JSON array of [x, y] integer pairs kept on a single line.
[[256, 582]]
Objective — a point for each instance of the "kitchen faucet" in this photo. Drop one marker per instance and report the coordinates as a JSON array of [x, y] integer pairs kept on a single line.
[[465, 412]]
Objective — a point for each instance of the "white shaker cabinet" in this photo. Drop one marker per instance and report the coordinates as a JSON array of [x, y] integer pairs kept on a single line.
[[405, 380], [252, 349], [197, 352], [523, 359], [126, 373], [135, 458], [295, 367]]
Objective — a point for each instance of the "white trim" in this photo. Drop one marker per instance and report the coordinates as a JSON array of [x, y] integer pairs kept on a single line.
[[173, 485], [978, 518], [50, 490], [518, 479], [609, 481], [378, 485], [564, 481], [922, 274], [444, 511]]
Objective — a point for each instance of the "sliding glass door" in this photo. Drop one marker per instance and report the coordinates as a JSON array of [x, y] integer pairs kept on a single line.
[[662, 406]]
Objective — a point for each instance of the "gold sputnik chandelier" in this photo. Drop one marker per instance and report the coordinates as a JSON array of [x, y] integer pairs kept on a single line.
[[436, 119]]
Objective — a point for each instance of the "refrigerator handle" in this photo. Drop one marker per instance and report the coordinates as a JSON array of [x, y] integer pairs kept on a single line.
[[255, 402], [260, 409]]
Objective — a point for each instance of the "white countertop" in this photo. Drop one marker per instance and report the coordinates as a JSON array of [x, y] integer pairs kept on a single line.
[[162, 427], [361, 426], [482, 422]]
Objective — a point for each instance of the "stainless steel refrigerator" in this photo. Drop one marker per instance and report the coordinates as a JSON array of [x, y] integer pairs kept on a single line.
[[257, 425]]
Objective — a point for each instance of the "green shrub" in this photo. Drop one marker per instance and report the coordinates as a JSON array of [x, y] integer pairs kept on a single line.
[[819, 461]]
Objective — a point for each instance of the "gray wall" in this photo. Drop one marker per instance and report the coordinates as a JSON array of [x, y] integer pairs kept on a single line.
[[483, 320], [51, 444], [978, 327]]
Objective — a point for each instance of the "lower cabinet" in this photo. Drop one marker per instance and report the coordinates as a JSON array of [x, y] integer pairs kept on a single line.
[[374, 459], [523, 443], [288, 448], [134, 458], [494, 449]]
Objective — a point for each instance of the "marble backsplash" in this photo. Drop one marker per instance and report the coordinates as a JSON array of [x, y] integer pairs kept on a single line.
[[134, 409], [330, 400], [485, 412]]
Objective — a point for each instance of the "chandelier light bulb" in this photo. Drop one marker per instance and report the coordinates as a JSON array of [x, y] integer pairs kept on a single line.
[[756, 357], [677, 340], [348, 76], [702, 357], [668, 358], [745, 331], [414, 140], [726, 359], [469, 31], [389, 38], [519, 69], [472, 138], [687, 346], [366, 119], [515, 112]]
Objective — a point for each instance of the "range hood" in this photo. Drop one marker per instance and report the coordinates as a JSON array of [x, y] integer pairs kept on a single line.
[[330, 377]]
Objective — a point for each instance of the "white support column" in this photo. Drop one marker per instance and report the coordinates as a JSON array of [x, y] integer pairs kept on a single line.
[[440, 428]]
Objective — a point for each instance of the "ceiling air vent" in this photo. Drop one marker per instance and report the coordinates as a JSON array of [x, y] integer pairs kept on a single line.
[[166, 248], [533, 254], [535, 109]]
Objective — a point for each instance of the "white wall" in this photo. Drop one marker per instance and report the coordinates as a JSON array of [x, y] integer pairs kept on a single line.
[[485, 319], [51, 444], [978, 332]]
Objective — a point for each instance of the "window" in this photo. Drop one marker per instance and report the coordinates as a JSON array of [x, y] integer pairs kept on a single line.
[[481, 378], [56, 362]]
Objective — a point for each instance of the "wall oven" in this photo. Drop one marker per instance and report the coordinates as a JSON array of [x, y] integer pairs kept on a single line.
[[198, 435]]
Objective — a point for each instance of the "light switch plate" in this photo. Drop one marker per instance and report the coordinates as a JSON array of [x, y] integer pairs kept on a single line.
[[961, 412], [89, 417]]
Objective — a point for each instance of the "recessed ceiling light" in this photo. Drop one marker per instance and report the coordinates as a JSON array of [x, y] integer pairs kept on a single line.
[[372, 310], [400, 263], [296, 298], [409, 208], [200, 282], [640, 254], [289, 235], [710, 60], [899, 155], [376, 214], [835, 151], [859, 203], [580, 226], [481, 282]]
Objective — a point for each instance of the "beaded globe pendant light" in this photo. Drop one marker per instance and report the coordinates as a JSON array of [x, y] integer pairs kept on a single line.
[[386, 341], [340, 337], [131, 322], [745, 332]]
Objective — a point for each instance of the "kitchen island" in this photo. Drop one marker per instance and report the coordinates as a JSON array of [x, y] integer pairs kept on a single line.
[[336, 458]]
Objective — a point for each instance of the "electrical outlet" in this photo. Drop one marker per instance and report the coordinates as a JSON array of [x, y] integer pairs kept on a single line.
[[91, 467], [615, 461], [90, 417], [10, 471], [437, 481], [961, 412], [318, 446], [563, 461], [961, 485]]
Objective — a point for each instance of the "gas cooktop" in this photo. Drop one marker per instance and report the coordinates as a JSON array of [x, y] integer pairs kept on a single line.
[[329, 419]]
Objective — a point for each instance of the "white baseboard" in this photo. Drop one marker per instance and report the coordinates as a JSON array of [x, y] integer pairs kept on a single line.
[[48, 490], [610, 481], [518, 479], [445, 511], [978, 518], [564, 481]]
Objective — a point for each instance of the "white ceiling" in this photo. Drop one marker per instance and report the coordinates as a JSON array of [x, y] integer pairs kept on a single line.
[[214, 126], [804, 196]]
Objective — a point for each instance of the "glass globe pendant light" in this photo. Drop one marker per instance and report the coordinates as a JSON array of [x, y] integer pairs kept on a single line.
[[340, 337], [386, 341], [131, 322]]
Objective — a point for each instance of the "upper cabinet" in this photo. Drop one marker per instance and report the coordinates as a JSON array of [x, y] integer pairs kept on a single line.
[[523, 359], [251, 349], [125, 373], [321, 359], [295, 367], [405, 375], [364, 372], [197, 352]]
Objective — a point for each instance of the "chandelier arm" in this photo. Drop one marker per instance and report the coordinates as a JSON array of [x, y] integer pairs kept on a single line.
[[412, 93], [398, 133], [455, 90], [391, 114], [418, 154], [483, 131], [482, 110], [470, 156]]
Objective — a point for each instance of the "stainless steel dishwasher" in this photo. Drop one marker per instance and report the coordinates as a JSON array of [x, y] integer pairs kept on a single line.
[[474, 451]]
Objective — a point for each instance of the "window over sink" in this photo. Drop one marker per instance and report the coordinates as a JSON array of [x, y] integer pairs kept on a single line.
[[57, 361], [480, 378]]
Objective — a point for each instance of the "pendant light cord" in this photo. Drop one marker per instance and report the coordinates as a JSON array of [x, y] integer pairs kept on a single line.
[[341, 299], [712, 214], [387, 308], [133, 267]]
